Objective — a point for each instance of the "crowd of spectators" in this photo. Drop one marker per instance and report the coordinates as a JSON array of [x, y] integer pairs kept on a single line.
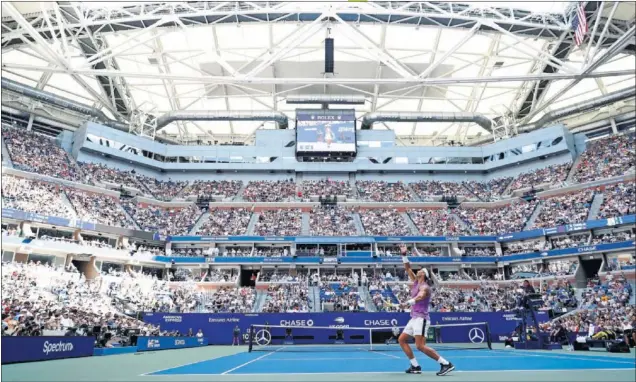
[[162, 190], [526, 246], [454, 300], [33, 152], [326, 187], [612, 237], [287, 298], [34, 196], [605, 310], [221, 275], [380, 191], [264, 191], [98, 208], [384, 222], [42, 299], [230, 300], [281, 275], [209, 188], [100, 173], [618, 200], [605, 158], [565, 209], [428, 189], [279, 222], [343, 295], [572, 241], [491, 190], [331, 221], [478, 251], [551, 174], [437, 223], [226, 222], [497, 220], [166, 221]]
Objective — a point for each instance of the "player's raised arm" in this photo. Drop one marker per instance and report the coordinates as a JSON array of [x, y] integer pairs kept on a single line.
[[407, 263]]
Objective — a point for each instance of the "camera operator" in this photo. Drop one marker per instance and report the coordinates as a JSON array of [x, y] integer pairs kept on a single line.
[[527, 287]]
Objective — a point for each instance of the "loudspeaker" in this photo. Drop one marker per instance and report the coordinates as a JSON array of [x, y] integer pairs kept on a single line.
[[328, 55]]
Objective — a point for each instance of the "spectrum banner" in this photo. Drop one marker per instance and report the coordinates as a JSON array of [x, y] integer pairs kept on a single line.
[[27, 349], [218, 328], [163, 343]]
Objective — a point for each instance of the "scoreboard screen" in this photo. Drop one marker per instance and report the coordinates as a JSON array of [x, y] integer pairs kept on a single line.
[[325, 131]]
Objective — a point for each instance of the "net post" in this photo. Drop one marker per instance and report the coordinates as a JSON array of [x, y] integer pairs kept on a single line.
[[370, 339], [250, 338], [488, 336]]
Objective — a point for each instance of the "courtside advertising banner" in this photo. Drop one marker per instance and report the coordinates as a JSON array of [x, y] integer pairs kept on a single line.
[[218, 328], [25, 349], [163, 343]]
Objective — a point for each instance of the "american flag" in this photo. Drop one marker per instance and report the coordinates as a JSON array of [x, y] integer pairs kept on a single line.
[[579, 24]]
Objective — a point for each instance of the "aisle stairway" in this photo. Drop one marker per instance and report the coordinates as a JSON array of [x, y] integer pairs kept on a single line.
[[363, 291], [358, 223], [314, 297], [304, 228], [533, 216], [261, 298], [570, 178], [252, 223], [597, 202], [239, 194], [462, 223], [409, 222], [202, 219], [6, 155], [412, 192]]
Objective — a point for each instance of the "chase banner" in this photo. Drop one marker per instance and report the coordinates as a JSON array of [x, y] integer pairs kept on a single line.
[[218, 328]]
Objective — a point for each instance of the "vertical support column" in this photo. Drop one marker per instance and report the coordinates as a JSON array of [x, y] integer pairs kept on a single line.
[[614, 128], [30, 124]]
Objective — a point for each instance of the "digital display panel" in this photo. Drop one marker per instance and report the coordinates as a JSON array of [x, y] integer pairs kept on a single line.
[[325, 131]]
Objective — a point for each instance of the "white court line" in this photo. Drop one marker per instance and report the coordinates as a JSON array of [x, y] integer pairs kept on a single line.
[[185, 364], [376, 359], [396, 372], [567, 356], [248, 362], [388, 355]]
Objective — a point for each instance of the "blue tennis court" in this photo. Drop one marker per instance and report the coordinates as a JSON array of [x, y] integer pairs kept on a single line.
[[361, 362]]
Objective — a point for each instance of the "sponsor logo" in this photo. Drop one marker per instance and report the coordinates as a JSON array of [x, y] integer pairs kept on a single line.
[[56, 347], [587, 249], [296, 322], [262, 337], [544, 254], [461, 318], [200, 340], [452, 238], [502, 338], [476, 335], [172, 318], [153, 344], [339, 320], [179, 342], [380, 322], [220, 320]]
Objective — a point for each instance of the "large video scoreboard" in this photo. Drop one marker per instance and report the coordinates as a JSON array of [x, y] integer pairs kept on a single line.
[[325, 131]]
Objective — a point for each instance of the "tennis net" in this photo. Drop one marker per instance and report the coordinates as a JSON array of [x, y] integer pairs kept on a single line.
[[332, 339]]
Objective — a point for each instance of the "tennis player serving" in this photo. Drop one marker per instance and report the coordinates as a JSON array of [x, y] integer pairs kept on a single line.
[[419, 323]]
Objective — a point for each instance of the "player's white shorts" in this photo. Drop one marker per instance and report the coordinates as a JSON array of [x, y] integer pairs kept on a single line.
[[417, 327]]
